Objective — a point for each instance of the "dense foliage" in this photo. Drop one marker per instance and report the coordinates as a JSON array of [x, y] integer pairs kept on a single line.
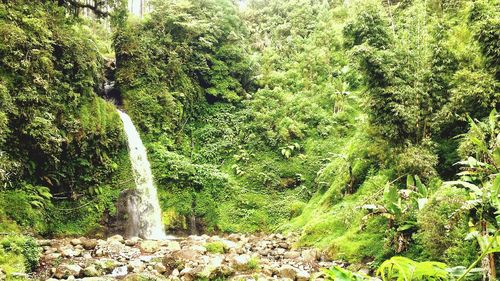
[[60, 144], [369, 128]]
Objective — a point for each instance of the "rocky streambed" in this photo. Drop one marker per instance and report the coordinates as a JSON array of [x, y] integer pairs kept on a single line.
[[233, 257]]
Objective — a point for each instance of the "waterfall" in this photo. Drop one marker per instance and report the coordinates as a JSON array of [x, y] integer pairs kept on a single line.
[[144, 213]]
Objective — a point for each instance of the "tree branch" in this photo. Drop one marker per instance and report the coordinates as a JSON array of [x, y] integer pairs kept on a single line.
[[96, 7]]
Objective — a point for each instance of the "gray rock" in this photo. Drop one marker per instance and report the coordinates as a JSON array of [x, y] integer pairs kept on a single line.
[[66, 270], [303, 275], [136, 266], [240, 262], [120, 271]]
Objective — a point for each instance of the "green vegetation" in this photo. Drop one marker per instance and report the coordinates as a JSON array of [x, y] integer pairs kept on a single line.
[[369, 128], [215, 247]]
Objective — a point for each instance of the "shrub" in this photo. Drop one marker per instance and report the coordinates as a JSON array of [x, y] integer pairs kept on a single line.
[[216, 247], [254, 263], [23, 246], [442, 231]]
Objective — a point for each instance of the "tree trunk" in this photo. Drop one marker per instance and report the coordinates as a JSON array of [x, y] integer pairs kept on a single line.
[[488, 262]]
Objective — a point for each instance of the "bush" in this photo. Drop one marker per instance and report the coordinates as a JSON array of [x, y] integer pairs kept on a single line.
[[21, 246], [443, 229], [215, 247]]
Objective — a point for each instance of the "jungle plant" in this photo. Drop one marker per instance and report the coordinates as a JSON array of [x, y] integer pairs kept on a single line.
[[400, 207], [479, 176]]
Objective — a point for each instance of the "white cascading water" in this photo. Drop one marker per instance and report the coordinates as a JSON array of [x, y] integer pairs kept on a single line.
[[144, 213]]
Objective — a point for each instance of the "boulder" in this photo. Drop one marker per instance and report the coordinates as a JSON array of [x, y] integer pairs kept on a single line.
[[170, 263], [284, 245], [303, 275], [234, 237], [91, 271], [136, 266], [89, 244], [120, 271], [113, 247], [107, 265], [240, 262], [198, 248], [69, 252], [186, 254], [287, 271], [67, 270], [76, 241], [160, 268], [188, 274], [132, 241], [228, 244], [173, 246], [149, 246], [310, 255], [117, 237], [291, 255]]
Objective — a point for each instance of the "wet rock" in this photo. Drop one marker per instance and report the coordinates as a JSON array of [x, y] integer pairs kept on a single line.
[[66, 270], [136, 266]]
